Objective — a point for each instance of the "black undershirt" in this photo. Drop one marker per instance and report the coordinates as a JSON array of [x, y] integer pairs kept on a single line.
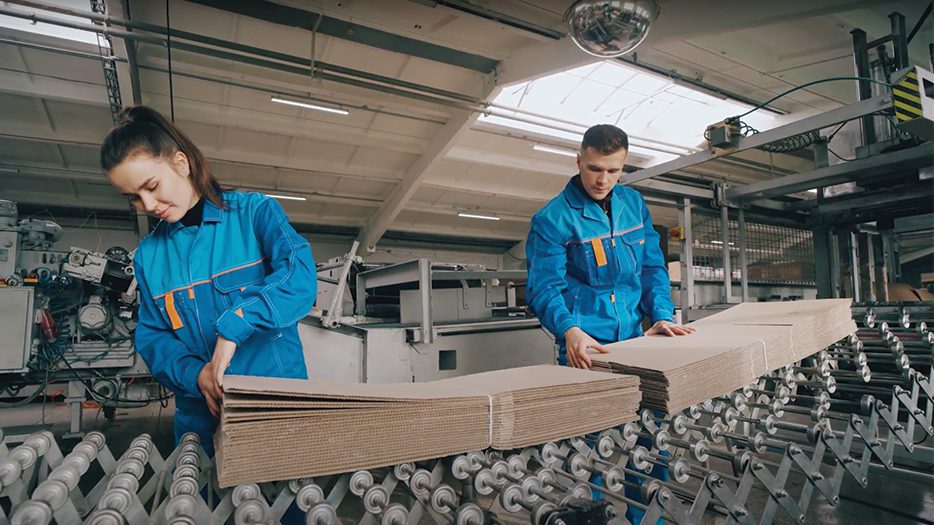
[[604, 204], [193, 217]]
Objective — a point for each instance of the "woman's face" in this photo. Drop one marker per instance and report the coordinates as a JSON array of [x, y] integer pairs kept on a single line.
[[160, 187]]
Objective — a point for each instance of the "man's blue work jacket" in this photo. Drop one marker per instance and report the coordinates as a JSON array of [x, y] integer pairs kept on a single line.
[[243, 273], [601, 274]]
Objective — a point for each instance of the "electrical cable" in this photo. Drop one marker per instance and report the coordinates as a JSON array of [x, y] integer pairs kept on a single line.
[[835, 154], [802, 86], [25, 401]]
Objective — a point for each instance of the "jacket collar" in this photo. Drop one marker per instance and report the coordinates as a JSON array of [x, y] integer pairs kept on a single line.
[[589, 208], [212, 213]]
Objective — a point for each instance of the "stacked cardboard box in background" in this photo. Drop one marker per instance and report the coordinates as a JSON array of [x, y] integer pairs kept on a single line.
[[276, 429], [729, 350]]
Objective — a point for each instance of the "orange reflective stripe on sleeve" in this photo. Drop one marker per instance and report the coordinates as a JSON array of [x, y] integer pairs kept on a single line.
[[598, 252], [613, 298], [191, 293], [173, 313]]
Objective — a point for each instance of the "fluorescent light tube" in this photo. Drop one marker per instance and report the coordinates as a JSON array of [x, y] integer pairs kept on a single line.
[[308, 105], [557, 151], [286, 197], [477, 216]]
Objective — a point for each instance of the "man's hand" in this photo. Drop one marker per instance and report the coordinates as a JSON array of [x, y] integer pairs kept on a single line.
[[669, 329], [223, 353], [209, 389], [576, 341]]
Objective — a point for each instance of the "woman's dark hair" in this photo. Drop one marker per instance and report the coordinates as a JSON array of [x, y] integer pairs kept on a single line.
[[605, 138], [143, 130]]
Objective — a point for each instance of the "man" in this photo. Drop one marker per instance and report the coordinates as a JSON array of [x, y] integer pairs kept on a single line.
[[594, 261], [595, 264]]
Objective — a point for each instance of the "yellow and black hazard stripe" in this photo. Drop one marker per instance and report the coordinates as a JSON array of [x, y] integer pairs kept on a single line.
[[906, 97]]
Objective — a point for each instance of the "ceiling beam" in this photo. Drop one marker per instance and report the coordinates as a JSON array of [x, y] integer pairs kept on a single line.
[[380, 221], [817, 122], [903, 160], [289, 16]]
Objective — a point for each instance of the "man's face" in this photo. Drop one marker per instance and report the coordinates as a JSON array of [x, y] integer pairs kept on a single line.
[[599, 172]]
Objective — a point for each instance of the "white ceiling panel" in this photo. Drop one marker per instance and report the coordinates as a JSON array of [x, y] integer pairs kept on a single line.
[[347, 166], [82, 157], [266, 145]]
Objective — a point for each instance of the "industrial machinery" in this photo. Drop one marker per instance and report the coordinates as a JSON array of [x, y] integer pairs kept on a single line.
[[418, 321], [865, 207], [863, 404], [67, 317]]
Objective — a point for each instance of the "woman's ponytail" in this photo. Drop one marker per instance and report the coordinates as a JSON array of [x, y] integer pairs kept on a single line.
[[143, 129]]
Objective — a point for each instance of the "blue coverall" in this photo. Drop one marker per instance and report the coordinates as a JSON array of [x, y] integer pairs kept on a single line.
[[600, 273], [244, 273]]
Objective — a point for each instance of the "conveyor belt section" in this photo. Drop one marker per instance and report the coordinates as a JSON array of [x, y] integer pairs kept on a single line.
[[828, 418]]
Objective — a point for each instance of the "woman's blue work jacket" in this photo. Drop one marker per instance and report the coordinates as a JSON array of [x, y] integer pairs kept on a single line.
[[243, 273]]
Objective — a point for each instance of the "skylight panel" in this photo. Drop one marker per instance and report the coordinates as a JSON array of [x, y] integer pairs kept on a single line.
[[653, 109], [65, 33]]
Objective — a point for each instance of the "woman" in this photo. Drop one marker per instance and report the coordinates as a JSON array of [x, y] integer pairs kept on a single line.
[[223, 278]]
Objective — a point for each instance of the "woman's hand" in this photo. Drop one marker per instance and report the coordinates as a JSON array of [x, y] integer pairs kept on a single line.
[[223, 353], [576, 342], [669, 329]]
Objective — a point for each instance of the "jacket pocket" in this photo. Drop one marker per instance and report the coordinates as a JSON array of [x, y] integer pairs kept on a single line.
[[633, 249], [594, 261], [230, 283]]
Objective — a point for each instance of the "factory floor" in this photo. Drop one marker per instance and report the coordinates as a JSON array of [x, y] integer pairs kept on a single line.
[[889, 499]]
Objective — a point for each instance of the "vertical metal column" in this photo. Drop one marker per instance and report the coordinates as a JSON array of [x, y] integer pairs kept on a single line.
[[890, 252], [881, 271], [835, 264], [899, 40], [727, 270], [743, 260], [424, 289], [823, 263], [872, 293], [687, 258], [76, 396], [854, 266], [864, 90]]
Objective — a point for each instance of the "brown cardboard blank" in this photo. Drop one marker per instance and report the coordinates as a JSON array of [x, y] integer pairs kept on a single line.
[[728, 350], [315, 429]]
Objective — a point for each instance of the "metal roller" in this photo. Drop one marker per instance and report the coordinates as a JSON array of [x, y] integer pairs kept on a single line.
[[321, 514], [52, 492], [309, 496], [360, 481], [375, 499], [117, 499], [32, 513], [251, 512]]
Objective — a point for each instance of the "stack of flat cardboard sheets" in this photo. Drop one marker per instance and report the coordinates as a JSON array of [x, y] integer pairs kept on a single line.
[[275, 429], [729, 350]]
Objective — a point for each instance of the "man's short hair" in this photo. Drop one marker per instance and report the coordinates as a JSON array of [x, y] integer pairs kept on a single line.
[[605, 138]]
